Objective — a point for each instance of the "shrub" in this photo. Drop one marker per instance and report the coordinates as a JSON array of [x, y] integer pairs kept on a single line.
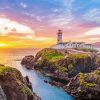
[[62, 69], [70, 67]]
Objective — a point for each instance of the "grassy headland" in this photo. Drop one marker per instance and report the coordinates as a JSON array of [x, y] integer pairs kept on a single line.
[[73, 70]]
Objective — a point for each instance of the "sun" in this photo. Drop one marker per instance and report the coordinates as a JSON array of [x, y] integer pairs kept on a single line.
[[3, 44]]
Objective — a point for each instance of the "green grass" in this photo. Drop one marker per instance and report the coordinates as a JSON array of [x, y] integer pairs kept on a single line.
[[91, 83], [97, 59], [49, 54], [26, 90], [87, 84], [87, 50], [4, 69], [78, 56], [70, 67], [16, 75], [96, 72], [81, 77], [54, 56], [62, 69]]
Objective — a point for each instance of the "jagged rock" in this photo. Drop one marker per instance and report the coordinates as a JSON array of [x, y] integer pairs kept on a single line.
[[13, 85], [28, 83], [64, 67], [28, 61], [2, 94], [55, 61], [1, 65], [52, 60], [85, 86], [97, 62]]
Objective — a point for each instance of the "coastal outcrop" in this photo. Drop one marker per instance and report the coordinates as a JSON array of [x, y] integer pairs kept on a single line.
[[13, 86], [85, 86], [56, 61], [66, 69], [28, 61]]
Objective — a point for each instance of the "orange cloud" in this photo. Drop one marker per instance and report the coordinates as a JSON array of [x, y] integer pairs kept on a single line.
[[36, 42]]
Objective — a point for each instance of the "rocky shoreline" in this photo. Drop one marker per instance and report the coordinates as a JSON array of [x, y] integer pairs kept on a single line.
[[77, 74], [13, 86]]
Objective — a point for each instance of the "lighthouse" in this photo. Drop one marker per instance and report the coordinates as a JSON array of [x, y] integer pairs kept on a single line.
[[70, 45], [59, 36]]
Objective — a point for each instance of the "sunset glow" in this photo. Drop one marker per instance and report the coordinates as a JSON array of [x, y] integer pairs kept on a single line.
[[32, 23], [3, 45]]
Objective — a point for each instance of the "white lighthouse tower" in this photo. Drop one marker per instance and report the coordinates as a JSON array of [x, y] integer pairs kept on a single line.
[[59, 36]]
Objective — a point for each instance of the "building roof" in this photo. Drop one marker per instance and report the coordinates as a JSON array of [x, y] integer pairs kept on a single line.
[[64, 43]]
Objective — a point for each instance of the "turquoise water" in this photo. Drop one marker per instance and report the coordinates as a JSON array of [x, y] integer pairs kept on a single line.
[[43, 90], [46, 91]]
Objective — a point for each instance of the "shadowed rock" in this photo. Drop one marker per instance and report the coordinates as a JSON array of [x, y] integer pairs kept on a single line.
[[13, 85]]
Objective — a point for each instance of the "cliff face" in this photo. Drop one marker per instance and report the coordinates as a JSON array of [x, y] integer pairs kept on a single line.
[[2, 94], [61, 62], [64, 62], [77, 73], [28, 61], [97, 61], [75, 63], [85, 86], [13, 86]]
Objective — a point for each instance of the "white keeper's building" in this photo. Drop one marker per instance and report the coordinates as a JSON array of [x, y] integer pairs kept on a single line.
[[67, 45]]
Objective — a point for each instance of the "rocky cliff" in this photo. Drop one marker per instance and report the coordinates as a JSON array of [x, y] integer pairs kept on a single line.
[[85, 86], [53, 61], [13, 86], [64, 68]]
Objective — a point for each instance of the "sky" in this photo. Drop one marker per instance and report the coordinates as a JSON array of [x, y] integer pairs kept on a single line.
[[34, 23]]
